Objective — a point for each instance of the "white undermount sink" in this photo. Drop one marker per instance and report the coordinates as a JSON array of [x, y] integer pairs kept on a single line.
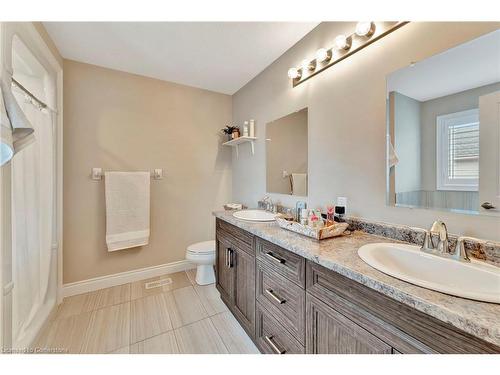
[[475, 281], [255, 215]]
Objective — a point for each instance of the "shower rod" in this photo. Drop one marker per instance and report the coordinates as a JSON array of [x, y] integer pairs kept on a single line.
[[27, 92]]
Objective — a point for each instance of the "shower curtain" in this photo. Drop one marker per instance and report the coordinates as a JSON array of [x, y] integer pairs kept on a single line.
[[33, 225]]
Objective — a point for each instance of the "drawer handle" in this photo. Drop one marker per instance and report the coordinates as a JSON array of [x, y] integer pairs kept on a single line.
[[275, 297], [270, 341], [229, 258], [275, 258]]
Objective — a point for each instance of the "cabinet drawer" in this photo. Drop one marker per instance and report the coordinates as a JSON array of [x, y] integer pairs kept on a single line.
[[282, 261], [272, 337], [284, 299], [238, 237]]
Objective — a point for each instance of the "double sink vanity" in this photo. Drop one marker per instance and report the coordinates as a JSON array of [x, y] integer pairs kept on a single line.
[[382, 288], [293, 294]]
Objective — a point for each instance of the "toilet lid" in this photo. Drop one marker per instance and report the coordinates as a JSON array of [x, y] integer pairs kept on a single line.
[[202, 247]]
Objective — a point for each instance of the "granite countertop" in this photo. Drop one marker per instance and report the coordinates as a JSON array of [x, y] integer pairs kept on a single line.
[[339, 254]]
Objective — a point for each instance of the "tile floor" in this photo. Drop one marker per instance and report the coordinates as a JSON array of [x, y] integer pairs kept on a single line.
[[177, 317]]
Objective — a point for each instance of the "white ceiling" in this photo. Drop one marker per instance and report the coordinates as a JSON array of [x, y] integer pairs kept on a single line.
[[472, 64], [217, 56]]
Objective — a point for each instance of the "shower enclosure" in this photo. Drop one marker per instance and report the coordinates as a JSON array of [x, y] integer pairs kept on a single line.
[[31, 191]]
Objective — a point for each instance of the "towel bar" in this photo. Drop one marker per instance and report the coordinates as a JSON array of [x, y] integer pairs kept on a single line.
[[98, 174]]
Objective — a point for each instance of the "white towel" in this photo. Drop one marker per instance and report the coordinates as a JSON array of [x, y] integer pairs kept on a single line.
[[299, 184], [127, 209], [392, 158]]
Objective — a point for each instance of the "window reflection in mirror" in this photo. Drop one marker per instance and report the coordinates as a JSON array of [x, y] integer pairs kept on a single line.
[[286, 154], [443, 132]]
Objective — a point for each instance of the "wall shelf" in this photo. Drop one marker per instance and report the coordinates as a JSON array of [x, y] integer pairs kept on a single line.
[[238, 141]]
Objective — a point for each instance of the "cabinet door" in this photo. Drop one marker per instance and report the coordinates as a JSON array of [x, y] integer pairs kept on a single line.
[[243, 266], [224, 272], [329, 332]]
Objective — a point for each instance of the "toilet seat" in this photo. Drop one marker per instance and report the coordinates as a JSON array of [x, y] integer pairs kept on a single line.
[[205, 247]]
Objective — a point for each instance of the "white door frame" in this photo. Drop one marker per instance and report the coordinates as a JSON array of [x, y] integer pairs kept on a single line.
[[27, 32]]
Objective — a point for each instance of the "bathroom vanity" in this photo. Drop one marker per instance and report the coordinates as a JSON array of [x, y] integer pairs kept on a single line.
[[294, 295]]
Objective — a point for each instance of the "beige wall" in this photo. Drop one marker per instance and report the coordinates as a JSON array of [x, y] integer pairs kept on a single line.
[[347, 122], [120, 121]]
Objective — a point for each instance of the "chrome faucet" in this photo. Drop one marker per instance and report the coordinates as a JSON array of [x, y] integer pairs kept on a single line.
[[267, 204], [443, 246], [460, 253], [263, 203], [272, 207], [439, 228]]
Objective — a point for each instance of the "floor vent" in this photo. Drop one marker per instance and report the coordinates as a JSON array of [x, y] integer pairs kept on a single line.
[[158, 283]]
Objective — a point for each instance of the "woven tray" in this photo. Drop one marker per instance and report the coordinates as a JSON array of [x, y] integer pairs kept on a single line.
[[337, 229]]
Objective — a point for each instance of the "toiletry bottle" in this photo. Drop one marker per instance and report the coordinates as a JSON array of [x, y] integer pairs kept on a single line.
[[329, 215], [304, 214], [313, 219], [299, 206], [319, 222], [251, 130], [245, 129]]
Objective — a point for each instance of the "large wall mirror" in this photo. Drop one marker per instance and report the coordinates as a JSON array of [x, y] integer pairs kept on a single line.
[[286, 154], [443, 135]]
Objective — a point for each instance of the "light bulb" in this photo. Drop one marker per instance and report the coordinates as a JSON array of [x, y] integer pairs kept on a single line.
[[307, 65], [342, 42], [294, 73], [365, 28], [323, 55]]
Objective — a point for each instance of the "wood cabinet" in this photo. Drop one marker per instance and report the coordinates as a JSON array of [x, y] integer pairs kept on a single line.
[[235, 274], [289, 305], [283, 262], [283, 299], [329, 332], [243, 266], [272, 337], [403, 328]]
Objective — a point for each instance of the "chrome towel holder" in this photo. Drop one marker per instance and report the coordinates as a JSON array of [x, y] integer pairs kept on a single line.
[[97, 174]]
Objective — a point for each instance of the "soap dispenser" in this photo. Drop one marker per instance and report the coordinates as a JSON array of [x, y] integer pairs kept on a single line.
[[299, 207]]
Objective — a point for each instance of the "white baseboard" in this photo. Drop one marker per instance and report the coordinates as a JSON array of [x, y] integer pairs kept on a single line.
[[107, 281]]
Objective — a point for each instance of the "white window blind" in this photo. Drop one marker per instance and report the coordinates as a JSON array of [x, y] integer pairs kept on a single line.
[[458, 151]]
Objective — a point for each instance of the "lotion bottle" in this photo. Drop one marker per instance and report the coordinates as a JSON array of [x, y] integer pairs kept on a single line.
[[304, 213], [251, 131], [245, 129]]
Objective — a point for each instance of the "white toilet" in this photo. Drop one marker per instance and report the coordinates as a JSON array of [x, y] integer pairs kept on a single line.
[[203, 255]]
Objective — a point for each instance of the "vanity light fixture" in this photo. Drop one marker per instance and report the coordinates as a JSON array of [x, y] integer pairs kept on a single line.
[[323, 55], [365, 29], [308, 65], [294, 73], [342, 42], [365, 34]]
